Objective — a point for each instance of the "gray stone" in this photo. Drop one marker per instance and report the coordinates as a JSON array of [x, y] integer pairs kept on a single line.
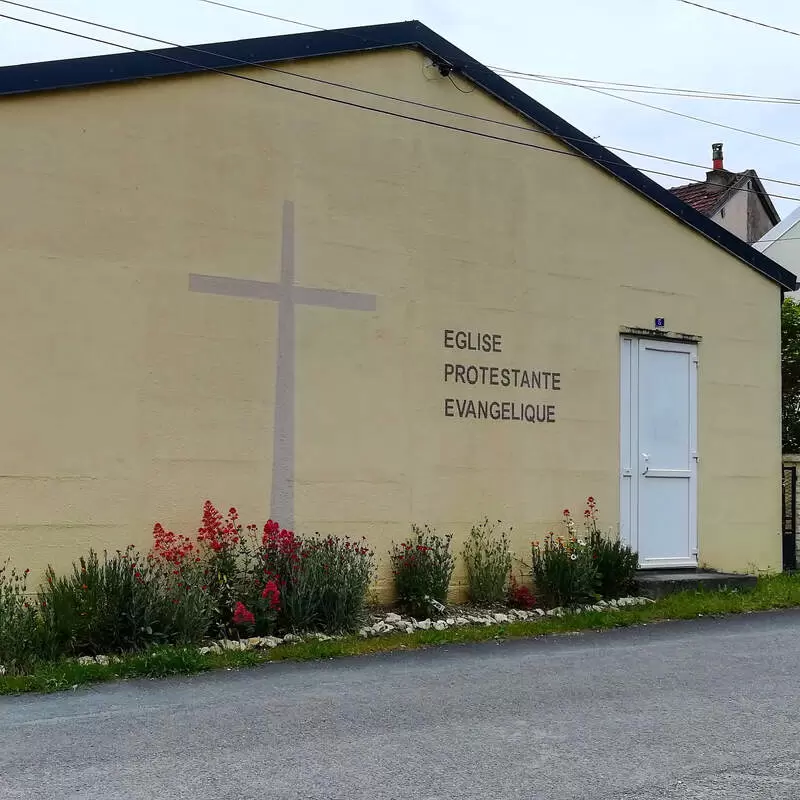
[[450, 621], [501, 618], [440, 625], [393, 619], [462, 621], [380, 628], [84, 660], [204, 651], [292, 638], [102, 660], [425, 625]]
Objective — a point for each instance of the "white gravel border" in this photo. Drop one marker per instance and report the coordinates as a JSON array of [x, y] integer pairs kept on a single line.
[[395, 623]]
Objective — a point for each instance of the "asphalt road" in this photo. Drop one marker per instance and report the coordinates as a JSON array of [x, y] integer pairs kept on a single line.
[[679, 711]]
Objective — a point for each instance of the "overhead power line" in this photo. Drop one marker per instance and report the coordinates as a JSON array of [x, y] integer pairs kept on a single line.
[[692, 117], [339, 101], [381, 95], [349, 87], [550, 79], [740, 18], [262, 14], [644, 88], [616, 85]]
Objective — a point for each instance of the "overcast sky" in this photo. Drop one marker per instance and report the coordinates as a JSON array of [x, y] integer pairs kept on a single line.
[[660, 42]]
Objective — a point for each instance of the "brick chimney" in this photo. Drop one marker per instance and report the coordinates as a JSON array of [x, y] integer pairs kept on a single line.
[[718, 177]]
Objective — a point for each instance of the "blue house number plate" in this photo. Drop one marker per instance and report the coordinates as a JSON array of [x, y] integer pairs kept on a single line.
[[659, 322]]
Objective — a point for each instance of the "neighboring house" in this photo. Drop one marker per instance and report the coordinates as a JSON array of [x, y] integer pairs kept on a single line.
[[336, 294], [782, 244], [735, 200]]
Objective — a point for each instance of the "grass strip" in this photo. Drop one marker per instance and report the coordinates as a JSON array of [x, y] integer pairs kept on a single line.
[[772, 592]]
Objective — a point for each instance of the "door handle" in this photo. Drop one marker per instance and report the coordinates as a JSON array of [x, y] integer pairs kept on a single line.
[[646, 459]]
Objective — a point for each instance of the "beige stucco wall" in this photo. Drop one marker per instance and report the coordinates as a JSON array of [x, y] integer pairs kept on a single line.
[[127, 399]]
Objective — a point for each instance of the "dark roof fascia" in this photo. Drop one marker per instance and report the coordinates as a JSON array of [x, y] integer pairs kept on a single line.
[[117, 67]]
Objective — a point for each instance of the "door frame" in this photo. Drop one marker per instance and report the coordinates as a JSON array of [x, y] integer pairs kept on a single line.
[[629, 473]]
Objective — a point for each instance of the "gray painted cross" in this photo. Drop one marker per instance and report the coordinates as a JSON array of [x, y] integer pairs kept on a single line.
[[287, 296]]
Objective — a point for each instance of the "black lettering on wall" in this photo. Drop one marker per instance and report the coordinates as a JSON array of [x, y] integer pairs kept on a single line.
[[492, 375]]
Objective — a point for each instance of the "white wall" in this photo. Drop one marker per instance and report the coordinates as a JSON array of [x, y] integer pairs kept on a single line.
[[782, 244]]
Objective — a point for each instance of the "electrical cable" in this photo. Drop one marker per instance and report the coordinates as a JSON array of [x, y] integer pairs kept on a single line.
[[671, 91], [340, 101], [740, 18], [643, 88]]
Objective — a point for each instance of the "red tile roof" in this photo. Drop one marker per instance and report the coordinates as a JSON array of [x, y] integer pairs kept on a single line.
[[700, 197]]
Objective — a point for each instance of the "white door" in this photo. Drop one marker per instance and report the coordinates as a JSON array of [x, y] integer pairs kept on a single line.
[[658, 484]]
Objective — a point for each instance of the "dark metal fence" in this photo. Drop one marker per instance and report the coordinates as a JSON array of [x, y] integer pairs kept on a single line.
[[789, 517]]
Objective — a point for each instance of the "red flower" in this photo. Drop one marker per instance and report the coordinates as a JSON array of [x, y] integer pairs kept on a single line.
[[84, 586], [241, 615], [566, 512], [272, 593], [218, 532]]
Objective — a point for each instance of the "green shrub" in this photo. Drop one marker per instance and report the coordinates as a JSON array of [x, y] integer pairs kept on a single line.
[[488, 561], [616, 563], [326, 588], [564, 571], [422, 566], [573, 570], [124, 603], [104, 606], [275, 581], [21, 636]]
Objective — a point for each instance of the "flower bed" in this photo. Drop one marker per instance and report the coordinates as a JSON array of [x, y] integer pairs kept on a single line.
[[235, 586]]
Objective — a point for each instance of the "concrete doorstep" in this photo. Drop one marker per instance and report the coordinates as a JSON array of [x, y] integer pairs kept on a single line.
[[660, 583]]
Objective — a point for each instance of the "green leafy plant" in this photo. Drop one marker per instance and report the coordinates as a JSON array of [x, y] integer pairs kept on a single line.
[[790, 374], [616, 563], [487, 557], [564, 569], [21, 636], [107, 605], [323, 580], [342, 572], [422, 566]]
